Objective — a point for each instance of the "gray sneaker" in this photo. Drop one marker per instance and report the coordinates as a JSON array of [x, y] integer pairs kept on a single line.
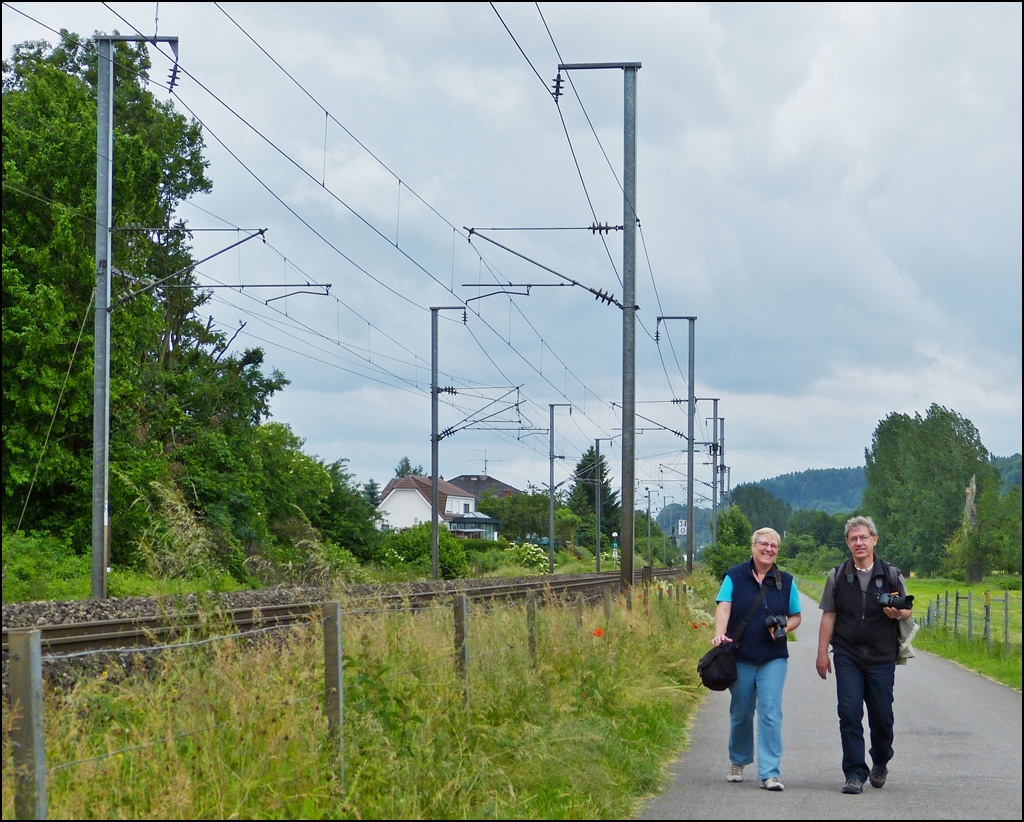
[[735, 773], [853, 785], [772, 784], [878, 775]]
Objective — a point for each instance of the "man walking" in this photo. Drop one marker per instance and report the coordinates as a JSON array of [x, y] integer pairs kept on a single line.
[[863, 629]]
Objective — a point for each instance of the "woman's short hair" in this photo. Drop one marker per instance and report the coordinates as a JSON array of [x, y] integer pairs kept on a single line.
[[765, 532], [854, 522]]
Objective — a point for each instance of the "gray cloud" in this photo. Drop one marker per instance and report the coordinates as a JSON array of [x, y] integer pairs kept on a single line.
[[834, 190]]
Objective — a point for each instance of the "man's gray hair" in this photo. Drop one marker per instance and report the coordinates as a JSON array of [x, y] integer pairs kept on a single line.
[[867, 522]]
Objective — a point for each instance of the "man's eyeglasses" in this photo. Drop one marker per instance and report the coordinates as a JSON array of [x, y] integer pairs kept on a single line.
[[771, 545]]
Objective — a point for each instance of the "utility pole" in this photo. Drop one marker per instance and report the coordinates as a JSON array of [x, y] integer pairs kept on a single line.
[[664, 536], [101, 322], [714, 475], [434, 438], [551, 482], [650, 556], [597, 503], [691, 406], [629, 222], [721, 458]]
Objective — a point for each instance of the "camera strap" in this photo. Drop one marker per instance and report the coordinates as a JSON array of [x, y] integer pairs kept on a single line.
[[757, 602]]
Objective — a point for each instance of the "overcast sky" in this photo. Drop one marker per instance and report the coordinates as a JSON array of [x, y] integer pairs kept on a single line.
[[834, 191]]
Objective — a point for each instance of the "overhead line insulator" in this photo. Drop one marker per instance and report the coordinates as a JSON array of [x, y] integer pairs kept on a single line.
[[557, 87]]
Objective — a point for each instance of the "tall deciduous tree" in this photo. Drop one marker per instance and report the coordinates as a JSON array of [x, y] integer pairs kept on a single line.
[[917, 470], [189, 420]]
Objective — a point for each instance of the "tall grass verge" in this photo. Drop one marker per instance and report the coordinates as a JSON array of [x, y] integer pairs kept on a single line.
[[237, 729]]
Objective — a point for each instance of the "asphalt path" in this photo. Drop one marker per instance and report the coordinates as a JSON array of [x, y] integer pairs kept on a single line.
[[957, 750]]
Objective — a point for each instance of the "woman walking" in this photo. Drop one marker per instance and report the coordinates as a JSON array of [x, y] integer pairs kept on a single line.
[[760, 604]]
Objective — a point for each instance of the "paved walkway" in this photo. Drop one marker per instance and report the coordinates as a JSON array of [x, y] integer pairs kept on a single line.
[[958, 750]]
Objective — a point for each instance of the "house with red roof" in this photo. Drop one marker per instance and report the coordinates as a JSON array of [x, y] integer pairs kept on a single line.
[[405, 503]]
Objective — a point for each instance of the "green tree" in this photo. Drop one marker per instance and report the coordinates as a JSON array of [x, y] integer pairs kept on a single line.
[[581, 496], [640, 543], [761, 506], [566, 526], [49, 151], [348, 516], [733, 545], [521, 515], [190, 440], [406, 469], [371, 491], [993, 542], [794, 545], [917, 470], [825, 529]]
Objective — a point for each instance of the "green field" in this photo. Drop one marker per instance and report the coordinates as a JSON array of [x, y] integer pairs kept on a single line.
[[939, 637]]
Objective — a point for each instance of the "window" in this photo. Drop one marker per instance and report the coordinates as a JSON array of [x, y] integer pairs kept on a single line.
[[465, 508]]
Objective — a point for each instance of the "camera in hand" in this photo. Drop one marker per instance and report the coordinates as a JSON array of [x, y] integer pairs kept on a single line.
[[896, 600], [778, 622]]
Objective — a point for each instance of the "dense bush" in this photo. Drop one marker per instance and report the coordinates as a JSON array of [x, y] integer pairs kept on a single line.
[[41, 567], [412, 547]]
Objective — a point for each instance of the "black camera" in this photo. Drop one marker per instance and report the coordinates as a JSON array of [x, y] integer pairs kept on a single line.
[[778, 622], [897, 601]]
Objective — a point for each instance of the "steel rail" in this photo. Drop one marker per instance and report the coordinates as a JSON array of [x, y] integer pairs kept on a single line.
[[139, 632]]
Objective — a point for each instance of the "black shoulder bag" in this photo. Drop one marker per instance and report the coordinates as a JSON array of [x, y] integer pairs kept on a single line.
[[717, 668]]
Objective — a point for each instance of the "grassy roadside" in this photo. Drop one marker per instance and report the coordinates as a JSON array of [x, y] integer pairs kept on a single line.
[[940, 640], [231, 730]]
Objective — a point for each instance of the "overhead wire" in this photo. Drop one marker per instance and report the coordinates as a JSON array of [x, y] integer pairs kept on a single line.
[[544, 344], [346, 205]]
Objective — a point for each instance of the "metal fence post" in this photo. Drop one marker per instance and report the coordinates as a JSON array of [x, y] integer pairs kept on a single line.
[[945, 615], [461, 646], [970, 616], [531, 625], [334, 683], [579, 610], [956, 611], [607, 604], [928, 616], [28, 743]]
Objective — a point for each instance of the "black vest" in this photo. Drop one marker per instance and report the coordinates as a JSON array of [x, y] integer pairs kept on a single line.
[[756, 644], [863, 632]]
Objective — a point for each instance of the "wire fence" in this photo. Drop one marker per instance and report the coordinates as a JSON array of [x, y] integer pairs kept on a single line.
[[360, 673], [992, 619]]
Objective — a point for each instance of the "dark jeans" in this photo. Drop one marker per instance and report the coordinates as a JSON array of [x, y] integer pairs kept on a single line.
[[856, 686]]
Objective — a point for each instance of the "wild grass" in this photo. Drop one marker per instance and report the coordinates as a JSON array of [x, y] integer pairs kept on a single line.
[[238, 729]]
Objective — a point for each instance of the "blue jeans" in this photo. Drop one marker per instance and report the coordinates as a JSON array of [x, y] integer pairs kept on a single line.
[[757, 688], [857, 686]]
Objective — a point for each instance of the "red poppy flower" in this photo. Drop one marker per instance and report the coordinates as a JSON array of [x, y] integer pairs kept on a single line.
[[695, 626], [599, 632]]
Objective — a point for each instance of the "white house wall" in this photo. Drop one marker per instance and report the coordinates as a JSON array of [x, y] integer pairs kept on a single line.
[[404, 508], [455, 505]]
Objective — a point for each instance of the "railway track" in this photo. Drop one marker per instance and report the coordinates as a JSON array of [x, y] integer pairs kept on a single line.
[[138, 632]]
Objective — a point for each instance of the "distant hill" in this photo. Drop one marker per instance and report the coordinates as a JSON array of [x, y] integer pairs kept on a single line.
[[1009, 469], [823, 489], [840, 489]]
